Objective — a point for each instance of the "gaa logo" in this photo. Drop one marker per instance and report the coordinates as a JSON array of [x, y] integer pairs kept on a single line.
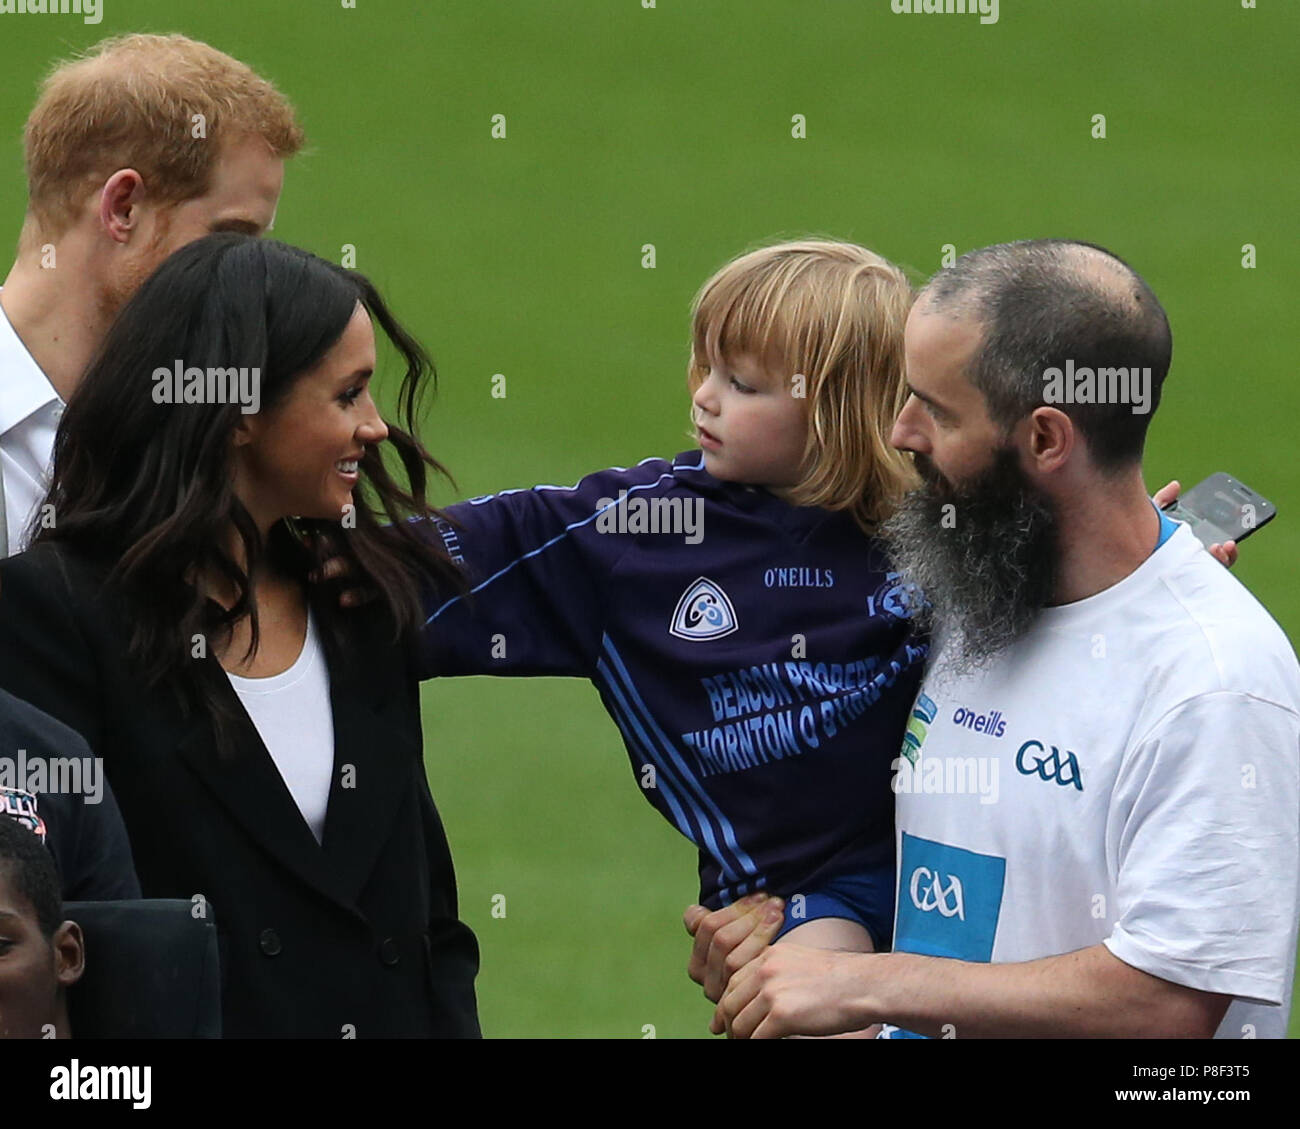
[[929, 893], [1064, 770], [939, 913], [703, 612]]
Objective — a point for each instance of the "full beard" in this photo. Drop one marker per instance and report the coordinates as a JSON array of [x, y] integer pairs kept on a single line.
[[984, 553]]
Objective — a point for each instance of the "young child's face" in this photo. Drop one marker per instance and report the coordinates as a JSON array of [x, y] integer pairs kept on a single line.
[[750, 424], [33, 968]]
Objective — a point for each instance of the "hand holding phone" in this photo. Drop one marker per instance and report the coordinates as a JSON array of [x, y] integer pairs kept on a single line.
[[1222, 508]]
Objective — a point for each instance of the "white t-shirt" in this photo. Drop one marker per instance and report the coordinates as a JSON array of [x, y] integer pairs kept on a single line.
[[291, 712], [1126, 773]]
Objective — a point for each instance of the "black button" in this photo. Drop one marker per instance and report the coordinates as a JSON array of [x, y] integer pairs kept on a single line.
[[269, 942], [388, 952]]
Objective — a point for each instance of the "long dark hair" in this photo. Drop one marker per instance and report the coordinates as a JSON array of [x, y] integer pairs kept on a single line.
[[148, 486]]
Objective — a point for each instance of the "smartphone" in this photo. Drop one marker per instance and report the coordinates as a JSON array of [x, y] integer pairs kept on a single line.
[[1222, 508]]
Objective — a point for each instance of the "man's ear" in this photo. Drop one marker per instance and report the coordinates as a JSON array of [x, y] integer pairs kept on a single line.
[[1051, 437], [69, 954], [119, 204]]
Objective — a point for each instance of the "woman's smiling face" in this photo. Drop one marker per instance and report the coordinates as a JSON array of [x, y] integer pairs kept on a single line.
[[299, 459]]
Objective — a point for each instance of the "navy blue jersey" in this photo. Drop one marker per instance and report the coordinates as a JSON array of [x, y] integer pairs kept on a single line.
[[756, 656], [82, 829]]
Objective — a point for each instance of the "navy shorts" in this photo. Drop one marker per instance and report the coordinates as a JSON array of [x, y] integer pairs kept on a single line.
[[866, 897]]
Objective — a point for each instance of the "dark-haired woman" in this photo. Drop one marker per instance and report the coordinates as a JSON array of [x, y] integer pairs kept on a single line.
[[264, 744]]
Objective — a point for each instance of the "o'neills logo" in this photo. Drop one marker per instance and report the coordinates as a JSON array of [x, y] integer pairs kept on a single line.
[[991, 724], [798, 578]]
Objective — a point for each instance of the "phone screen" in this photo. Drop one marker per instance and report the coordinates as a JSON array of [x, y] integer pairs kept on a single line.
[[1222, 508]]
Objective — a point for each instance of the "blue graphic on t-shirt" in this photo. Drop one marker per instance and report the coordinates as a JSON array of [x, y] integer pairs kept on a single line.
[[948, 900]]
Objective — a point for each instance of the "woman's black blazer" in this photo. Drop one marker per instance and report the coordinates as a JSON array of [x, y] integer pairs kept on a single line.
[[355, 937]]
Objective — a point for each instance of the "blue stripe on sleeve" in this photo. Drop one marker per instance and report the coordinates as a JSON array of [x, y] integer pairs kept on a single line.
[[691, 785], [546, 545], [705, 837], [627, 726]]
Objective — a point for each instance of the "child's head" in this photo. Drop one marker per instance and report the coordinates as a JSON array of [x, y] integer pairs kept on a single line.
[[40, 954], [796, 375]]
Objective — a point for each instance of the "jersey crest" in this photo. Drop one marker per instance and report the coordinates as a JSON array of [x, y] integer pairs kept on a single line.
[[897, 597], [703, 612]]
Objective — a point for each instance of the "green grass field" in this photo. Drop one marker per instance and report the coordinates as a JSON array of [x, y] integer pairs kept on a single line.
[[672, 126]]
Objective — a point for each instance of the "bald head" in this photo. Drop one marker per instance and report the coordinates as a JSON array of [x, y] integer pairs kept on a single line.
[[1049, 305]]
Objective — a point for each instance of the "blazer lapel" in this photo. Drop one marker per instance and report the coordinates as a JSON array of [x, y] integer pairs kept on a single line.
[[377, 745], [247, 783], [377, 748]]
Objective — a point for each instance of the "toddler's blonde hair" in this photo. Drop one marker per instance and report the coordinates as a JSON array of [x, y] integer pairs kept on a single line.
[[832, 314]]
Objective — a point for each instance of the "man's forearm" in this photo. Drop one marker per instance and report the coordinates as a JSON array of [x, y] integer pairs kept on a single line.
[[1085, 994]]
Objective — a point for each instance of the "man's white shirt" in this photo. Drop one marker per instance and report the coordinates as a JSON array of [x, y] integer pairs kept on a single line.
[[29, 416], [1128, 774]]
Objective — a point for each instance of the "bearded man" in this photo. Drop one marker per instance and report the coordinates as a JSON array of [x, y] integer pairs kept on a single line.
[[1137, 874]]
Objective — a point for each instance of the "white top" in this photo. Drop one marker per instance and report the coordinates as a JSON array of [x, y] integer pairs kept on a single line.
[[1133, 780], [29, 416], [291, 712]]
